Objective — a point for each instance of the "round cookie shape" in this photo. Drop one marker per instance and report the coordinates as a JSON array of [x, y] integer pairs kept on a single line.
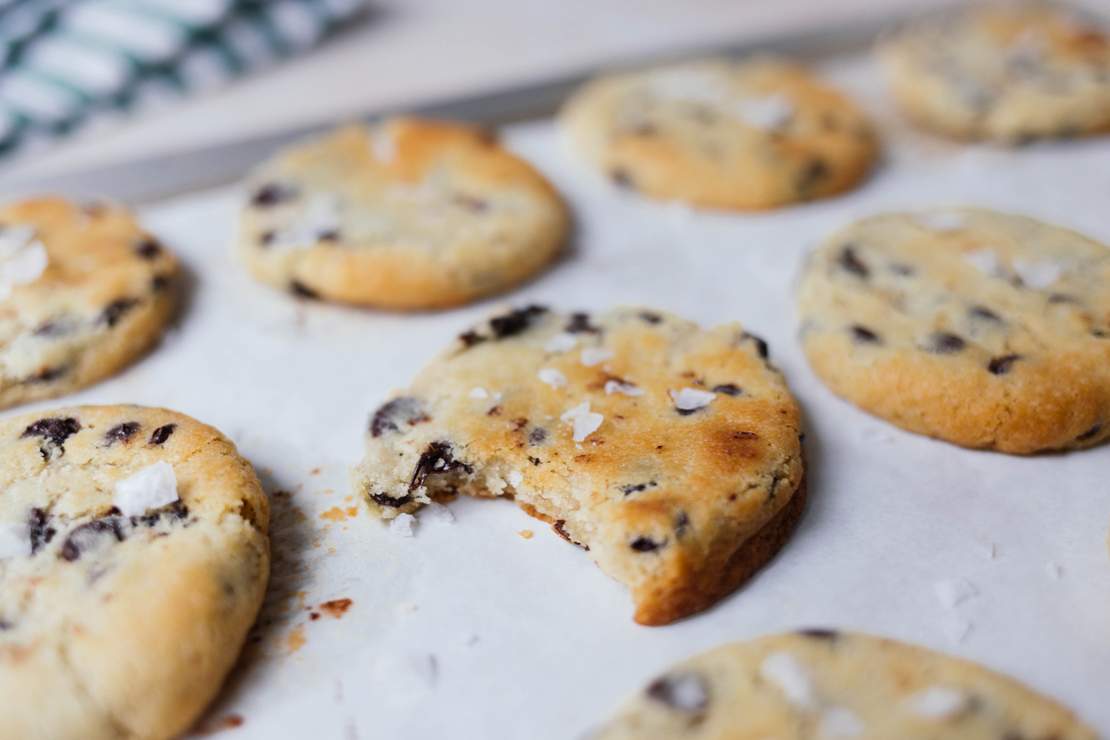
[[84, 291], [671, 453], [827, 684], [984, 329], [133, 560], [407, 214], [745, 135], [1003, 72]]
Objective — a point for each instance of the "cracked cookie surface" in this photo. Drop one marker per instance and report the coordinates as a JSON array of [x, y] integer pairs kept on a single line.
[[985, 329], [84, 291], [133, 560], [753, 134], [1008, 73], [672, 453], [406, 214], [827, 684]]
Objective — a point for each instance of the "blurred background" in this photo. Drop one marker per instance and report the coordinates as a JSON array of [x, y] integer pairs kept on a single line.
[[85, 83]]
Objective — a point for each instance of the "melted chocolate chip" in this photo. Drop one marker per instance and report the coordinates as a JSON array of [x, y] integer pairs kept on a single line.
[[684, 692], [435, 459], [537, 436], [266, 238], [819, 634], [54, 432], [88, 534], [47, 374], [849, 261], [944, 343], [272, 194], [761, 346], [560, 529], [382, 500], [299, 289], [161, 434], [159, 283], [121, 432], [515, 322], [470, 338], [148, 249], [728, 389], [115, 310], [815, 171], [983, 313], [637, 487], [328, 235], [863, 335], [645, 544], [175, 511], [580, 323], [649, 317], [1001, 365], [390, 416], [41, 531], [1089, 434]]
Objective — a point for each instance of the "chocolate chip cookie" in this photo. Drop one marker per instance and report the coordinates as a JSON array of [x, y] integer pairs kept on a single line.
[[828, 684], [133, 559], [671, 453], [984, 329], [1004, 72], [745, 135], [406, 214], [84, 291]]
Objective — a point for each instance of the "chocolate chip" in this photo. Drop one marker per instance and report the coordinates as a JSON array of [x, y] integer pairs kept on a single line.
[[637, 487], [537, 436], [761, 346], [560, 529], [299, 289], [328, 235], [984, 313], [471, 203], [649, 317], [645, 544], [115, 310], [681, 522], [161, 434], [174, 511], [621, 177], [88, 534], [815, 171], [819, 634], [121, 432], [944, 343], [684, 692], [54, 432], [1001, 365], [849, 261], [47, 374], [515, 322], [863, 335], [383, 500], [159, 283], [728, 389], [535, 460], [148, 249], [435, 459], [580, 323], [1089, 434], [266, 238], [272, 194], [41, 531], [390, 416]]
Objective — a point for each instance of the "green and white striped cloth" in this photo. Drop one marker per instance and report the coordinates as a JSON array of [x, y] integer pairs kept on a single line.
[[66, 63]]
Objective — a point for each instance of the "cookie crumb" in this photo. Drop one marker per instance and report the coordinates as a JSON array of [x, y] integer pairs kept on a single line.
[[336, 608], [526, 534], [552, 377]]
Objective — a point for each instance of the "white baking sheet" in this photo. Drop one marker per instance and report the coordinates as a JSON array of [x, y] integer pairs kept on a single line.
[[469, 630]]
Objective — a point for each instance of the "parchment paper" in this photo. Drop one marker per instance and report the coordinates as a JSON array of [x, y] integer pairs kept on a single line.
[[470, 630]]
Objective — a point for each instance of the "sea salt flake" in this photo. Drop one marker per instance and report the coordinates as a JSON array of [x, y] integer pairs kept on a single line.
[[479, 392], [564, 342], [840, 722], [14, 238], [15, 540], [583, 420], [767, 112], [936, 702], [552, 377], [595, 355], [152, 487], [619, 386], [941, 220], [1038, 274], [954, 591], [402, 525], [434, 512], [22, 267], [691, 399], [983, 260], [320, 216], [785, 672]]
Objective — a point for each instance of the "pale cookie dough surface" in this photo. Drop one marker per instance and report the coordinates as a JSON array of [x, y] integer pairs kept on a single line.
[[826, 684], [985, 329], [672, 453], [1008, 73], [133, 559], [743, 135], [84, 291], [407, 214]]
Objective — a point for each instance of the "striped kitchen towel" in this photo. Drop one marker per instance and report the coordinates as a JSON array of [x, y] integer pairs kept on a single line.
[[66, 63]]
